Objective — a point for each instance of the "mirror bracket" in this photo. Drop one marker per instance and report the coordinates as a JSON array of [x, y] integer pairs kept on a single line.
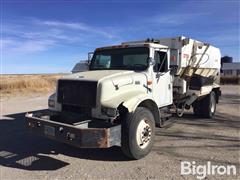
[[90, 55]]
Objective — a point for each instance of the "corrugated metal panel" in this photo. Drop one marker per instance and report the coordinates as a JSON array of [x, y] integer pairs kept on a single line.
[[231, 66]]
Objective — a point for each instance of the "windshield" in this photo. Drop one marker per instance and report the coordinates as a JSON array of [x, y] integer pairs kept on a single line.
[[123, 59]]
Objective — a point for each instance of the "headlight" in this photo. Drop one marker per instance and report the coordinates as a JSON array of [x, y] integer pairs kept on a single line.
[[112, 112], [51, 103]]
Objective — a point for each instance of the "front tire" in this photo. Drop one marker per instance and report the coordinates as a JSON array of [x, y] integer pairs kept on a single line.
[[138, 132]]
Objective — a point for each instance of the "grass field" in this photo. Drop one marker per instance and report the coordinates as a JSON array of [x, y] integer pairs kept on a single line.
[[11, 84]]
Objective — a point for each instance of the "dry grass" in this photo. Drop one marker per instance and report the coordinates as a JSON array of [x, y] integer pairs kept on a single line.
[[11, 84]]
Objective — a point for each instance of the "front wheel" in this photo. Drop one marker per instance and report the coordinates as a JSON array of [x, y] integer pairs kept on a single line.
[[138, 132]]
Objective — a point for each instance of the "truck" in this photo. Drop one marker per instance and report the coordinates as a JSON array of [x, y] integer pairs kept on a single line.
[[128, 91]]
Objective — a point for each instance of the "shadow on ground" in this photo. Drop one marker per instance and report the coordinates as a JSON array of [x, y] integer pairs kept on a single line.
[[20, 149]]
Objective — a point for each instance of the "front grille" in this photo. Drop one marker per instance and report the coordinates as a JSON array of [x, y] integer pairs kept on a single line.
[[77, 93], [83, 111]]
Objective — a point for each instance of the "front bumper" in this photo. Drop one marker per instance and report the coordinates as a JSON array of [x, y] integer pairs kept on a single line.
[[83, 134]]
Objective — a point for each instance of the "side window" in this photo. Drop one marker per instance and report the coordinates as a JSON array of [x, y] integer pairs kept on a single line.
[[161, 61]]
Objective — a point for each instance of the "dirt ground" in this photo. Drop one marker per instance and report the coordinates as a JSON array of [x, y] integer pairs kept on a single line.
[[23, 156]]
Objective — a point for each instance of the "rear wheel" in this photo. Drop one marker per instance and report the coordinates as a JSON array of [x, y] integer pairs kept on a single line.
[[197, 107], [206, 107], [138, 132], [209, 107]]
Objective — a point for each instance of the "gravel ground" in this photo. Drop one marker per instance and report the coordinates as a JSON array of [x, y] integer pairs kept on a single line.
[[23, 156]]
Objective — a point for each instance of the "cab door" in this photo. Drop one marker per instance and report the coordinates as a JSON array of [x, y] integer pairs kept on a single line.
[[162, 80]]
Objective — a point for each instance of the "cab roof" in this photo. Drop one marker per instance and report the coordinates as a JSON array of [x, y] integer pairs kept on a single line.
[[130, 45]]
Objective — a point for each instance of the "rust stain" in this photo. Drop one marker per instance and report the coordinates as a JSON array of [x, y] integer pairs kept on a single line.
[[103, 142]]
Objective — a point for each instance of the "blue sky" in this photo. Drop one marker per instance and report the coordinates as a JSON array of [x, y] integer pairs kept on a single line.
[[51, 36]]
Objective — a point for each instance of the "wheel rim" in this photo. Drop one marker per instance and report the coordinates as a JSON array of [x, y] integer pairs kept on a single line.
[[143, 134], [213, 104]]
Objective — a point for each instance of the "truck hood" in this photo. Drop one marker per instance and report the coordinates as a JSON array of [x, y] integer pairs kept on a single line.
[[114, 86], [97, 75]]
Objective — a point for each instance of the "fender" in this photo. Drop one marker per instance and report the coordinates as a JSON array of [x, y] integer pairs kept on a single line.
[[144, 100], [133, 103]]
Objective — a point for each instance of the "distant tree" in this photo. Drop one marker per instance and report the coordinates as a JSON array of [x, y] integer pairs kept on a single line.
[[226, 59]]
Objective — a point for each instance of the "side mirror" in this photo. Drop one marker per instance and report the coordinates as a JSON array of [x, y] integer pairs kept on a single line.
[[90, 56], [173, 69]]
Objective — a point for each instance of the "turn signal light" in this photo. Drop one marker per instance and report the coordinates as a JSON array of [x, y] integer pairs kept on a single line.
[[149, 82]]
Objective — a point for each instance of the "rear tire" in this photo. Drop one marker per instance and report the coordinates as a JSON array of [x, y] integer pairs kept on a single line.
[[209, 107], [197, 108], [138, 132], [206, 107]]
